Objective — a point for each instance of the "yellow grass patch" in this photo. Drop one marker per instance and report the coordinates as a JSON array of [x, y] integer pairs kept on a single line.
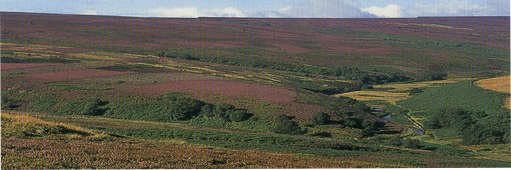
[[13, 123], [410, 86], [391, 97], [93, 56], [31, 47], [500, 84]]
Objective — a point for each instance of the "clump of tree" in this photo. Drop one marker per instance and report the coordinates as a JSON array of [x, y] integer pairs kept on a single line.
[[169, 107], [284, 124], [363, 107], [227, 112], [321, 119], [346, 100], [433, 76], [473, 127]]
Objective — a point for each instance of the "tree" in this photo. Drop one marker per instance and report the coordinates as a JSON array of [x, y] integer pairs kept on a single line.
[[362, 106], [321, 119], [412, 143], [285, 125], [221, 110], [415, 91], [239, 115], [91, 107]]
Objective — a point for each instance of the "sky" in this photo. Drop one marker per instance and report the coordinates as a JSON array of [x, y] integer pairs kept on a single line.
[[264, 8]]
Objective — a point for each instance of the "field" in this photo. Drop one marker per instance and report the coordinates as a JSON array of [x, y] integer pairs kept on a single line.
[[126, 92]]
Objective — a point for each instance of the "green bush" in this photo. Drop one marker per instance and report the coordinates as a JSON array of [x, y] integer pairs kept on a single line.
[[412, 143], [8, 103], [362, 106], [346, 100], [88, 107], [285, 125], [394, 141], [321, 119], [415, 91], [223, 109], [239, 115]]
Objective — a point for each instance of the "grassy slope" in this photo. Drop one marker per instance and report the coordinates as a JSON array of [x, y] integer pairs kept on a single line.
[[463, 95]]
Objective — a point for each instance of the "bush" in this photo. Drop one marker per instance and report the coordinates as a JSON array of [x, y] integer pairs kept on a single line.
[[394, 141], [415, 91], [346, 100], [221, 110], [8, 103], [412, 143], [362, 106], [321, 119], [239, 115], [208, 110], [88, 107], [285, 125]]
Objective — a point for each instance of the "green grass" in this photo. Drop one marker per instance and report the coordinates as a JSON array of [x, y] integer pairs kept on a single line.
[[463, 95]]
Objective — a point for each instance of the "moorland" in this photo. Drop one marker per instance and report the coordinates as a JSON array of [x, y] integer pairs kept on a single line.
[[129, 92]]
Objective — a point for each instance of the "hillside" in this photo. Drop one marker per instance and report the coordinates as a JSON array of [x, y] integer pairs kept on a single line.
[[249, 91]]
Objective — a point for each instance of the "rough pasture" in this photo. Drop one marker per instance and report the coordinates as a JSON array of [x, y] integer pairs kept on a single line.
[[222, 88], [10, 66], [74, 74]]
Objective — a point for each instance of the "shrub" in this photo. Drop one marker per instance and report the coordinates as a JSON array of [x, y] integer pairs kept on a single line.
[[82, 107], [285, 125], [208, 110], [415, 91], [394, 141], [321, 119], [346, 100], [412, 143], [8, 103], [239, 115], [221, 110], [362, 106]]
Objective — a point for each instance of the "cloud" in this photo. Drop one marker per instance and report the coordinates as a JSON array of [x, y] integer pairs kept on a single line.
[[193, 12], [319, 9], [459, 8], [389, 11], [225, 12], [88, 12], [499, 7], [176, 12]]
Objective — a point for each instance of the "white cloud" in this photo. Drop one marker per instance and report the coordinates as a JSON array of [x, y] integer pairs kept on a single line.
[[389, 11], [193, 12], [225, 12], [318, 9], [88, 12], [176, 12], [452, 8]]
